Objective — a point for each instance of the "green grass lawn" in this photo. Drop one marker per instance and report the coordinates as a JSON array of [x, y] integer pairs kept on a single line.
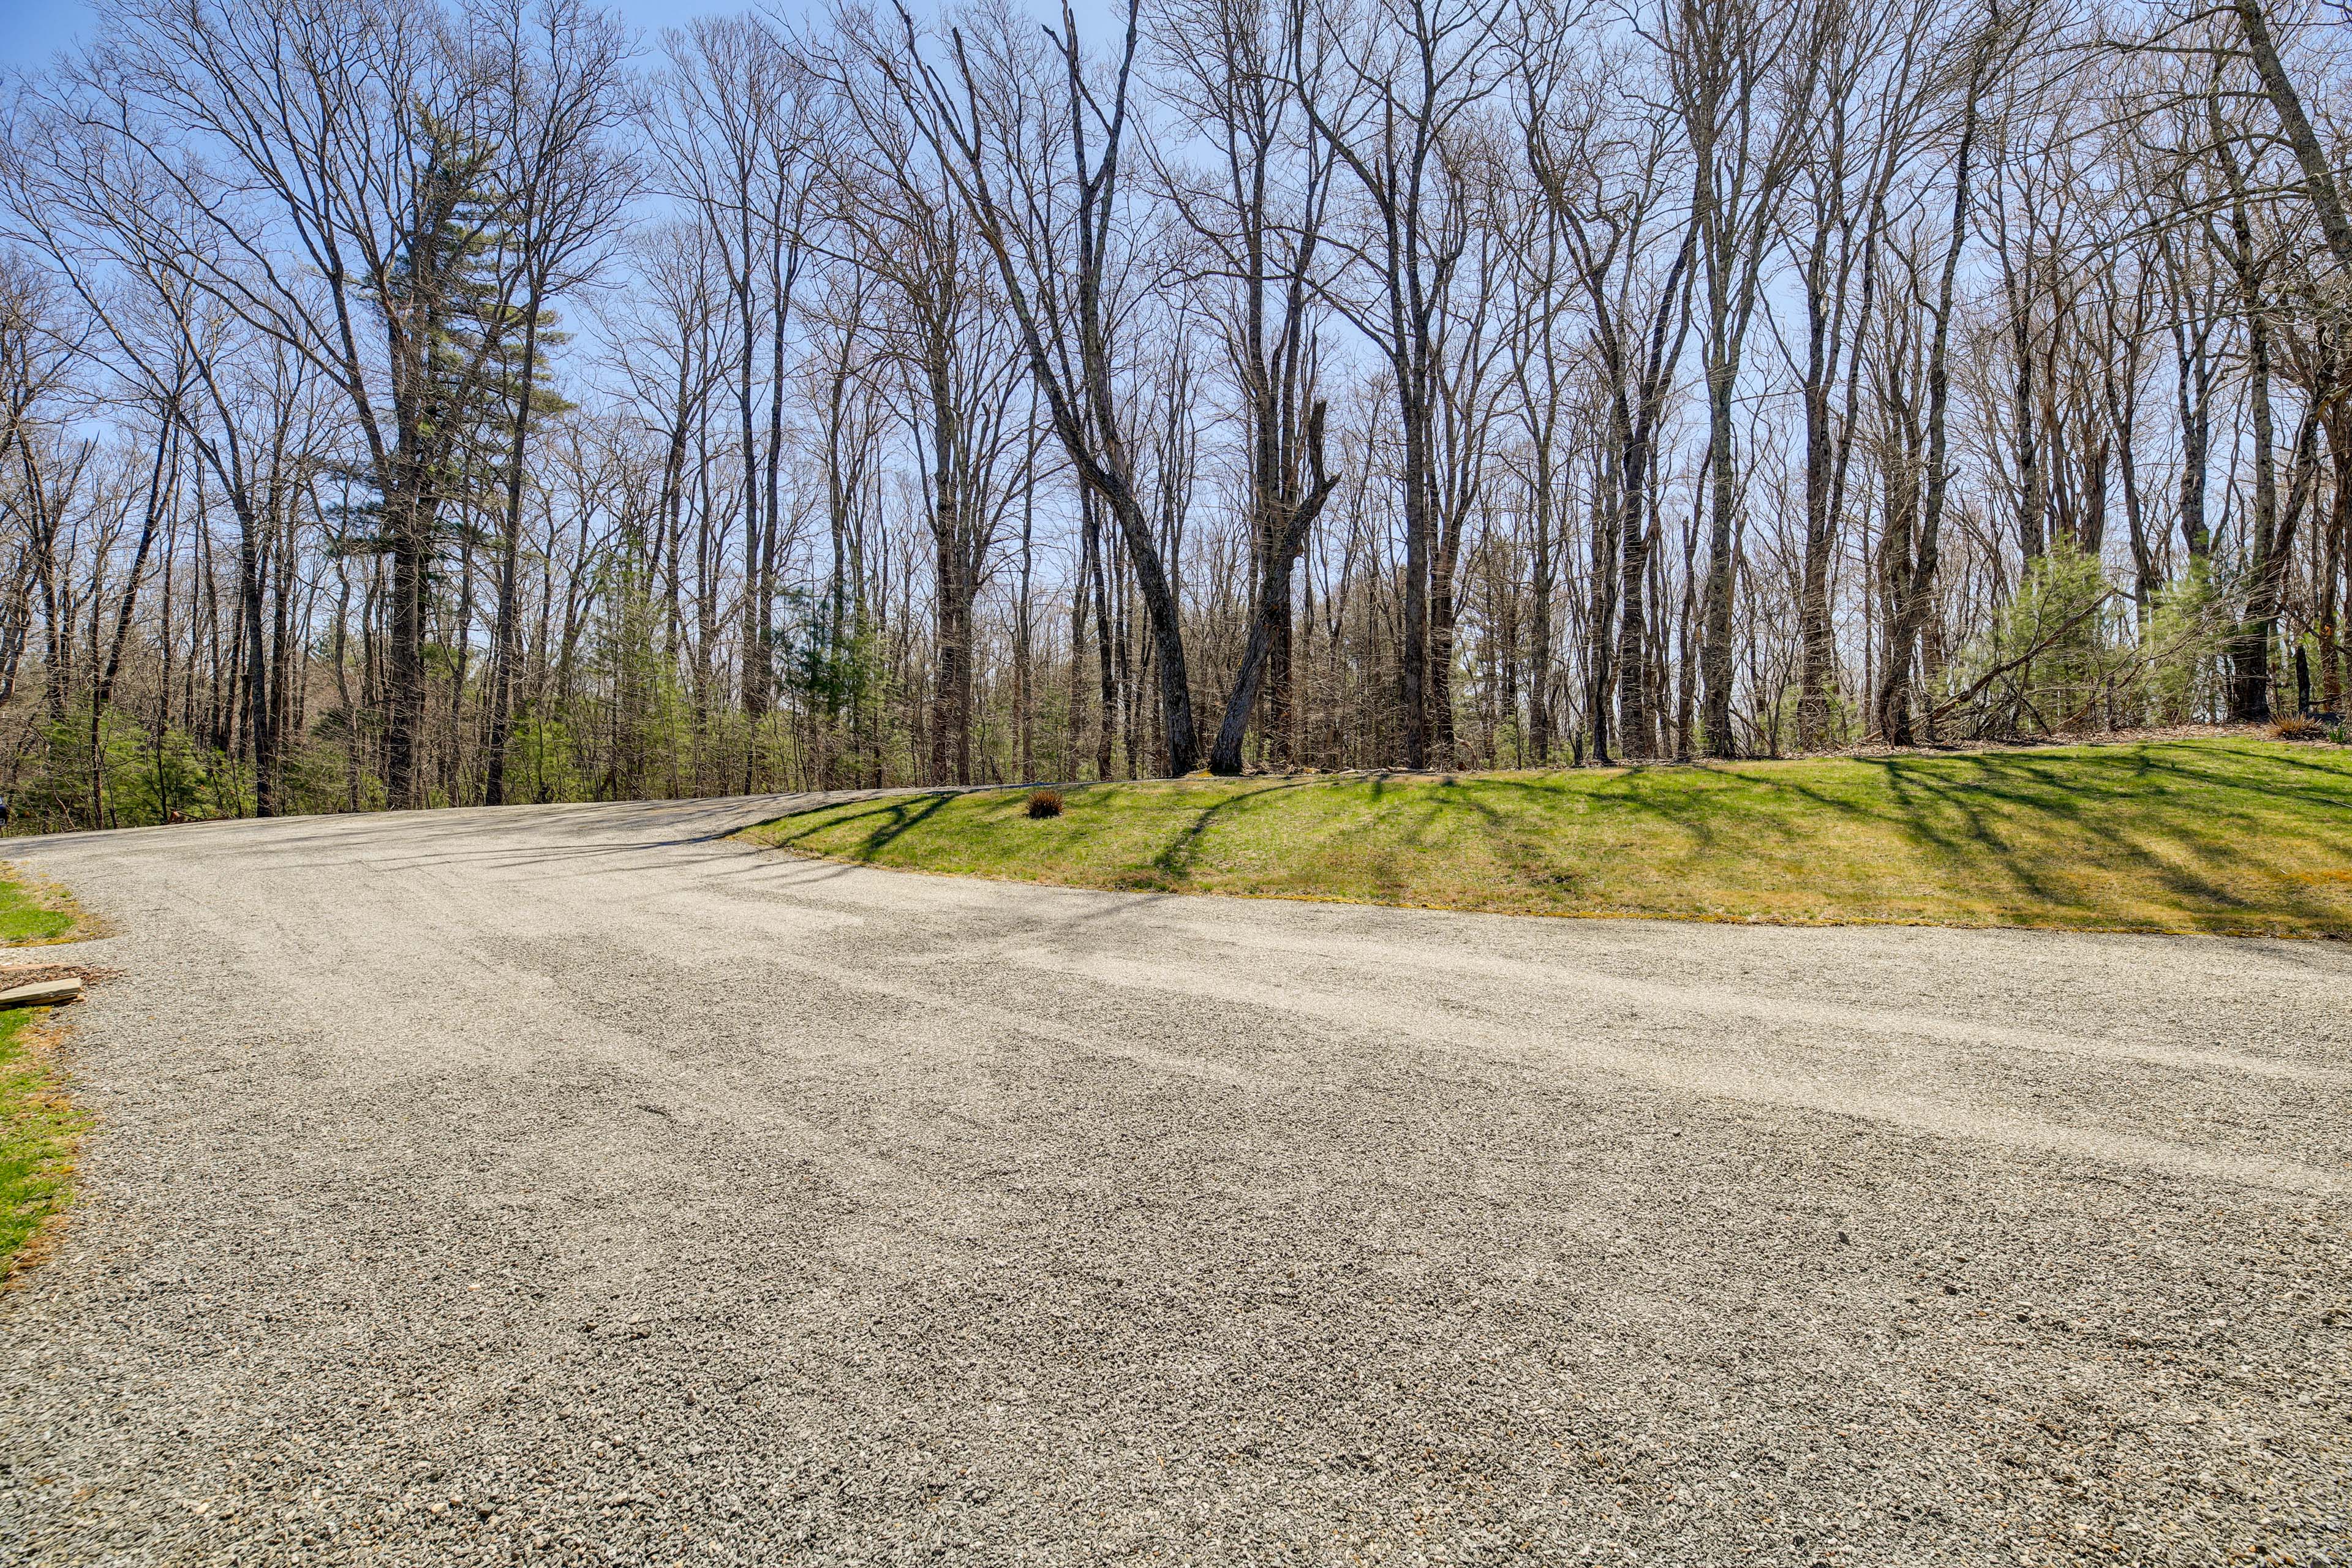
[[37, 1129], [2223, 835], [31, 914], [37, 1124]]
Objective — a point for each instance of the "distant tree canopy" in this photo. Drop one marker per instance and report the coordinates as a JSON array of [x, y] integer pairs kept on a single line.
[[406, 402]]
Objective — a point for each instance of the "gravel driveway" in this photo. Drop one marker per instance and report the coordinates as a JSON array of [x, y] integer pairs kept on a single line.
[[578, 1184]]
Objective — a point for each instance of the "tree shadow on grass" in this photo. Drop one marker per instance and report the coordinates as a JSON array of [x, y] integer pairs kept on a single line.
[[2030, 829], [892, 818], [2217, 847], [2301, 793], [1544, 877], [1176, 861], [1700, 803], [1412, 817], [1955, 817], [2163, 837]]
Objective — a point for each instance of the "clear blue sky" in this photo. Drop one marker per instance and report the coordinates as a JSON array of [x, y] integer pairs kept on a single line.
[[32, 30]]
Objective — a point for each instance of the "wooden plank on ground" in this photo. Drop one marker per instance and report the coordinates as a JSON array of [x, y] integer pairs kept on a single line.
[[41, 993]]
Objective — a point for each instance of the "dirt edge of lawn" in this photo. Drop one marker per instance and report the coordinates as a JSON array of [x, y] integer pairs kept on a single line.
[[1792, 922]]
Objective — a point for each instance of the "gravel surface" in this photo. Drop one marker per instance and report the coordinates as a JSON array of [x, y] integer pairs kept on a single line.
[[576, 1185]]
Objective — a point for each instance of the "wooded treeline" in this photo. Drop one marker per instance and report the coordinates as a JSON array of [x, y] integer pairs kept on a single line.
[[409, 403]]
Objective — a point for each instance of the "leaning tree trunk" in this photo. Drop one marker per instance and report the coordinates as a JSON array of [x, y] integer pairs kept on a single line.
[[1273, 603]]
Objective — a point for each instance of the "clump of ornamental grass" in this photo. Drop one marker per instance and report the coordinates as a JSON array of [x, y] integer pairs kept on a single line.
[[2297, 726], [1044, 803]]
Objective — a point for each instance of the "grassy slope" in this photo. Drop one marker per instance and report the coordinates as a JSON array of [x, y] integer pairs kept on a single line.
[[2195, 835], [38, 1128]]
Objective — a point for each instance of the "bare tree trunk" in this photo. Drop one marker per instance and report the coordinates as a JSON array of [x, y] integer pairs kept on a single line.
[[1274, 594], [1916, 584]]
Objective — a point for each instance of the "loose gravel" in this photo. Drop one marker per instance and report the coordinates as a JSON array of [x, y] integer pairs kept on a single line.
[[574, 1184]]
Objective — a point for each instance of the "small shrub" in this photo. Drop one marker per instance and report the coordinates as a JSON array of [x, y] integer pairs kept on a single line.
[[2337, 736], [1044, 803], [2296, 726], [2182, 648], [2052, 658]]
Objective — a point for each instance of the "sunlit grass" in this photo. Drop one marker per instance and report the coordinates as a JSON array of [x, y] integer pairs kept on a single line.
[[31, 913], [37, 1130], [2223, 836], [37, 1124]]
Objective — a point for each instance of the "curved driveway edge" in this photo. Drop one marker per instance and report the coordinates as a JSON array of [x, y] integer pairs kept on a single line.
[[580, 1185]]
